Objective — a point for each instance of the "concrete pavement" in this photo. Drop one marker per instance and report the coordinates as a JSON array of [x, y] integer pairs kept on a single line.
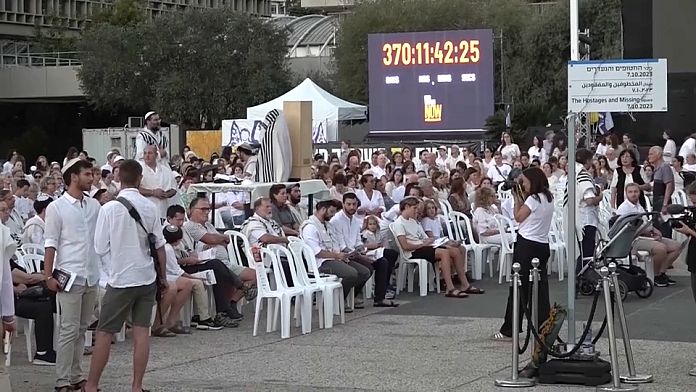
[[427, 344]]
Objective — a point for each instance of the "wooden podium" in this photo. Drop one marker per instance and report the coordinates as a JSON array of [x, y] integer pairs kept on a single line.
[[298, 115]]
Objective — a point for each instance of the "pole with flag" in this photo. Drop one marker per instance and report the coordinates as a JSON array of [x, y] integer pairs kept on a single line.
[[606, 123]]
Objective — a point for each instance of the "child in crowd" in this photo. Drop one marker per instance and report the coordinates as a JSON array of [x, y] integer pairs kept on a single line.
[[181, 286], [372, 237]]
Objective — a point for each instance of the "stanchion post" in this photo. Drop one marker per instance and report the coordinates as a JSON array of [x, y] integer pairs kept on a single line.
[[632, 377], [515, 381], [616, 380], [535, 293]]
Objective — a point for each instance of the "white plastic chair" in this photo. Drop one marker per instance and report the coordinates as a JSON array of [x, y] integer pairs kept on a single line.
[[301, 282], [32, 249], [460, 220], [234, 250], [557, 247], [424, 271], [280, 296], [506, 250], [331, 300]]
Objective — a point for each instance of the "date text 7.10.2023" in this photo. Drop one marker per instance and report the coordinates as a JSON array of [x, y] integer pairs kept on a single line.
[[425, 53]]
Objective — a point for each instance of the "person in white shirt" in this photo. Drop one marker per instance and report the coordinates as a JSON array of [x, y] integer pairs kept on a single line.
[[509, 150], [331, 259], [602, 146], [589, 197], [455, 156], [499, 171], [7, 310], [677, 167], [690, 164], [247, 157], [151, 135], [158, 184], [689, 146], [133, 277], [347, 228], [441, 159], [533, 211], [70, 223], [664, 251], [669, 151], [371, 200], [537, 151], [14, 222], [183, 285], [380, 169], [23, 204], [35, 226], [484, 218], [612, 159], [416, 244]]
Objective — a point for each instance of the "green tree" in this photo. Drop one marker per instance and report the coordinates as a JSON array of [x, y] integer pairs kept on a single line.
[[197, 67], [122, 13]]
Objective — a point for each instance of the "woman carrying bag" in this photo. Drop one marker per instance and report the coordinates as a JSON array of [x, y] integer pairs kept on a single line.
[[533, 211]]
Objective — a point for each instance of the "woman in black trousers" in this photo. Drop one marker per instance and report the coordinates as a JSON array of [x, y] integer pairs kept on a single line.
[[534, 212]]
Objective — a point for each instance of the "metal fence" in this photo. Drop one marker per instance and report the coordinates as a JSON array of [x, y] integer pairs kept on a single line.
[[18, 55]]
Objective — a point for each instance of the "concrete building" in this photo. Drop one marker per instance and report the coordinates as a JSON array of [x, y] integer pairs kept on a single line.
[[18, 17]]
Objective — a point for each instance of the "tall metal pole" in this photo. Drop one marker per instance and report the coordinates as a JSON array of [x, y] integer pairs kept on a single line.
[[502, 70], [570, 231]]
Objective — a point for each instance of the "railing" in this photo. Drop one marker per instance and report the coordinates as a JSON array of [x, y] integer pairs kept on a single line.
[[53, 59]]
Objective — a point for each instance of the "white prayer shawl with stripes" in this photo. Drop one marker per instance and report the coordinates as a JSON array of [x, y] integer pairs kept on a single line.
[[148, 138], [582, 184], [275, 155]]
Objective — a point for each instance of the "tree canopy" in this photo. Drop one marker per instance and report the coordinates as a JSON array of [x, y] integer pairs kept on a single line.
[[195, 67], [535, 47]]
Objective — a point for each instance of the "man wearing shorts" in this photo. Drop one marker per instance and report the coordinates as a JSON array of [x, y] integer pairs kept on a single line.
[[132, 279], [664, 251]]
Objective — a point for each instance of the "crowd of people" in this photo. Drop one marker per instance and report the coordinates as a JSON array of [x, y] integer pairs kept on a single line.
[[379, 207]]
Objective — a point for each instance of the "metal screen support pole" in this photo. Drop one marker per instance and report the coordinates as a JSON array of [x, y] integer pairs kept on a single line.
[[515, 381], [632, 377]]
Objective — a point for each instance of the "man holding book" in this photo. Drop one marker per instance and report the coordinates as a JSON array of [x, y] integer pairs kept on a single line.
[[72, 268]]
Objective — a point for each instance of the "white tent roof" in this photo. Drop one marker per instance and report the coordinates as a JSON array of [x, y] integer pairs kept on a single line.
[[325, 107]]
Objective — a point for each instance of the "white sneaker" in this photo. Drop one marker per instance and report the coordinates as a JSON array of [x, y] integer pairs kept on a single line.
[[692, 372]]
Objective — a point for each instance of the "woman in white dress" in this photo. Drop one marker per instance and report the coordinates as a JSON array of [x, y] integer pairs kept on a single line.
[[509, 150]]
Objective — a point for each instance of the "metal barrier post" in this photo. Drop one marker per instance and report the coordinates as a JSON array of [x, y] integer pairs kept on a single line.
[[632, 377], [515, 381], [535, 293], [616, 381]]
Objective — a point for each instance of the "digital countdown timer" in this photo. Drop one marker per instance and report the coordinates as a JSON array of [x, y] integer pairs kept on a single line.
[[423, 54], [439, 81]]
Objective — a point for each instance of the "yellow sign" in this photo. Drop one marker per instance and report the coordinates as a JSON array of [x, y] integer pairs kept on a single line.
[[433, 110]]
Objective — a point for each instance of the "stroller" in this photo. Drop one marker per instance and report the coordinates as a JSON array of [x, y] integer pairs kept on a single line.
[[622, 235]]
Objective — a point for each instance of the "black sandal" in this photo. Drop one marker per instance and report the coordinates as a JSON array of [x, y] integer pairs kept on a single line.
[[385, 304], [456, 293]]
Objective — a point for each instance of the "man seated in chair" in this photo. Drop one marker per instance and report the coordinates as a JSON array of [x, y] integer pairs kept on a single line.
[[347, 228], [262, 230], [664, 251], [317, 233], [226, 290]]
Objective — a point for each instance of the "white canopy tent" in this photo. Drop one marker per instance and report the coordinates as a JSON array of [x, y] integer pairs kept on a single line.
[[327, 109]]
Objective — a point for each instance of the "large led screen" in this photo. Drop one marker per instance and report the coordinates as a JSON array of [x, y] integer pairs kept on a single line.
[[430, 81]]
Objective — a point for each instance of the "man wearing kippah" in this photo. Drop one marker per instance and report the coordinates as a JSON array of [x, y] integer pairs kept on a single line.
[[151, 135]]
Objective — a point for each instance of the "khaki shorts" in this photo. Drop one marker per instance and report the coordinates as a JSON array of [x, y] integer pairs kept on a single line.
[[120, 303]]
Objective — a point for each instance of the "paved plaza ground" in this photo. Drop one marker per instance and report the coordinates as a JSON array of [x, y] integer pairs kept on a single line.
[[427, 344]]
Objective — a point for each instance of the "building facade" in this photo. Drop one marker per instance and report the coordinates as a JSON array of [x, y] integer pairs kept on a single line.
[[18, 18]]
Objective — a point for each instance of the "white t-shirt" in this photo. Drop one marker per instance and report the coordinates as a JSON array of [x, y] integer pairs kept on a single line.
[[536, 153], [689, 147], [433, 226], [499, 173], [669, 151], [538, 224], [174, 271], [411, 229], [601, 149], [629, 208]]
